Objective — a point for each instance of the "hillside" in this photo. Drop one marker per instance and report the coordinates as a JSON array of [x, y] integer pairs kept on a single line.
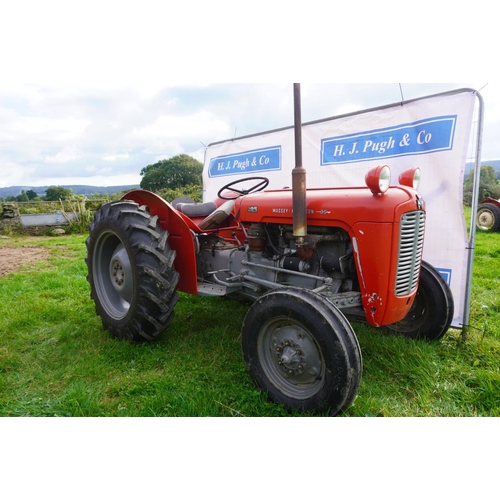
[[92, 190], [493, 163], [85, 190]]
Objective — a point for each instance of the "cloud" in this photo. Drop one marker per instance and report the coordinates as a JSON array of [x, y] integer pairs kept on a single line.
[[14, 174], [173, 134], [61, 132], [68, 154], [50, 129], [116, 157]]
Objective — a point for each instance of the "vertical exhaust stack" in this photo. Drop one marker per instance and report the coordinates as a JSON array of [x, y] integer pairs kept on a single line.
[[298, 177]]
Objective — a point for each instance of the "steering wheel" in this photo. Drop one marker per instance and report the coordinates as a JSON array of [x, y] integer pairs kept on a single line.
[[259, 186]]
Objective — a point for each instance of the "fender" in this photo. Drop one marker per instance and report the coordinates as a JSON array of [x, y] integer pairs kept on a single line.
[[180, 229]]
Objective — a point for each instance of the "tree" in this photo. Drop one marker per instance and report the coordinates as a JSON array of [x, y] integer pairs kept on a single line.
[[177, 172], [488, 185], [23, 197], [31, 194], [56, 193]]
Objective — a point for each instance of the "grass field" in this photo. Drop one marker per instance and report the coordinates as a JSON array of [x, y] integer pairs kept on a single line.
[[56, 360]]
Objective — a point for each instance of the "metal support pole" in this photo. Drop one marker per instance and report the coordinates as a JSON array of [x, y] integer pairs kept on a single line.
[[475, 203]]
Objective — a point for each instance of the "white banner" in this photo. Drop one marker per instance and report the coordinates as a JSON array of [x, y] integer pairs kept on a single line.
[[431, 133]]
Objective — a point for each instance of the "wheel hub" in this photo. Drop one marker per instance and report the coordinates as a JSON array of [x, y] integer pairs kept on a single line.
[[120, 273], [486, 220], [295, 357], [291, 357]]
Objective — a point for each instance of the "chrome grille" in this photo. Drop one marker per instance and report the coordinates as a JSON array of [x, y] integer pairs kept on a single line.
[[411, 245]]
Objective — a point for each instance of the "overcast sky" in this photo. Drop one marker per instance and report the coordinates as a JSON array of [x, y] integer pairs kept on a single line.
[[102, 103], [54, 134]]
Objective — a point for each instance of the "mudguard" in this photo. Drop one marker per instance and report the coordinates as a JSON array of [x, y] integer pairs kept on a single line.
[[180, 229]]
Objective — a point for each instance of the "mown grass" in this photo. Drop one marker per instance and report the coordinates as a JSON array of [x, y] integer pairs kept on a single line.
[[56, 360]]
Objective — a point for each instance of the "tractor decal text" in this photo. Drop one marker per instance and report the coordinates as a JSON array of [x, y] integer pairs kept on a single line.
[[422, 137], [309, 211], [256, 160]]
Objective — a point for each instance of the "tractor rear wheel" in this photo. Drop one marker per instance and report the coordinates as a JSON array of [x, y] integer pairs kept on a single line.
[[300, 349], [432, 311], [131, 271]]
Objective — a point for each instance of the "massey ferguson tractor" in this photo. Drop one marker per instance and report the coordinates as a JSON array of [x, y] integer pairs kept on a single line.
[[306, 258]]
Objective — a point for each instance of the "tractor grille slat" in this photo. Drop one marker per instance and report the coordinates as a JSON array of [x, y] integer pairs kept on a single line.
[[411, 245]]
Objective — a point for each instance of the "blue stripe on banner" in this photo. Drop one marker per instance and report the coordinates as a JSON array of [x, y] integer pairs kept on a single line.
[[422, 137], [256, 160], [446, 274]]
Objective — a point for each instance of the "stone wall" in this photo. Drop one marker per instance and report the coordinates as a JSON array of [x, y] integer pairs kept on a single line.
[[10, 222]]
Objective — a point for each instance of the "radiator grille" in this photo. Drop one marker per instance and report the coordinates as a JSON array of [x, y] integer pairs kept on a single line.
[[411, 245]]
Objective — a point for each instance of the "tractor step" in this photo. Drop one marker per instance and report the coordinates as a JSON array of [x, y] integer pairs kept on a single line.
[[211, 290]]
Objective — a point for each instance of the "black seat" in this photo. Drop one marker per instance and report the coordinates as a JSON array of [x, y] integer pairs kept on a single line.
[[196, 209], [190, 208]]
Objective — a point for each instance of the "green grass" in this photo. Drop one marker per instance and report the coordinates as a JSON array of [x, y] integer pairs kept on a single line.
[[56, 360]]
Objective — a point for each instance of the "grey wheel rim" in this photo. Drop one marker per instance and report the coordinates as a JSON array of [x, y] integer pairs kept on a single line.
[[291, 358], [113, 276]]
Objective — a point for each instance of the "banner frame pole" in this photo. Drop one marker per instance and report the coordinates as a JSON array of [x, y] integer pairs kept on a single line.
[[474, 204]]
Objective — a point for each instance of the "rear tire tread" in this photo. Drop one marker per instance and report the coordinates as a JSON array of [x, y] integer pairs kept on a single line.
[[154, 276]]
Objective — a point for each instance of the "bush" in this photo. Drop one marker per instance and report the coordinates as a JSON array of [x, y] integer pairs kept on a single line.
[[488, 185], [83, 216], [192, 191]]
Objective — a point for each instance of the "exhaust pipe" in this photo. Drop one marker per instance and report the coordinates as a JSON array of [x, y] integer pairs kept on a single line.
[[298, 176]]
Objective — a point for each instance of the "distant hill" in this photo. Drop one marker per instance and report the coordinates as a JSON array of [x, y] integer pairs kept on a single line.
[[85, 190], [492, 163], [92, 190]]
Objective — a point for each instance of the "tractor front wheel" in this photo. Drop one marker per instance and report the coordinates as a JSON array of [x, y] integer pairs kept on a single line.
[[131, 271], [432, 311], [300, 349]]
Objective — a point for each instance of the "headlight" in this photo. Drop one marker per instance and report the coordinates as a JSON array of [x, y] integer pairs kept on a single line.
[[410, 178], [378, 179]]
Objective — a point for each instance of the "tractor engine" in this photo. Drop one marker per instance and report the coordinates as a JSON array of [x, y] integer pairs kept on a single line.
[[268, 258]]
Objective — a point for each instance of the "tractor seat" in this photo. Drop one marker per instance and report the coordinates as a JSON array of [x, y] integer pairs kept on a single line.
[[189, 207], [213, 215], [196, 209]]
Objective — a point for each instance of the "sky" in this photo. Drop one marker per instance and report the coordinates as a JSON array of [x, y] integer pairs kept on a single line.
[[104, 134], [92, 92]]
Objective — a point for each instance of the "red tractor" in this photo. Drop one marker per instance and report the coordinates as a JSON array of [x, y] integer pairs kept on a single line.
[[488, 215], [306, 258]]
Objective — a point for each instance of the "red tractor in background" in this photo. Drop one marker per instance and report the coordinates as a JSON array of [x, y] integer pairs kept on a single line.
[[488, 215], [308, 259]]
